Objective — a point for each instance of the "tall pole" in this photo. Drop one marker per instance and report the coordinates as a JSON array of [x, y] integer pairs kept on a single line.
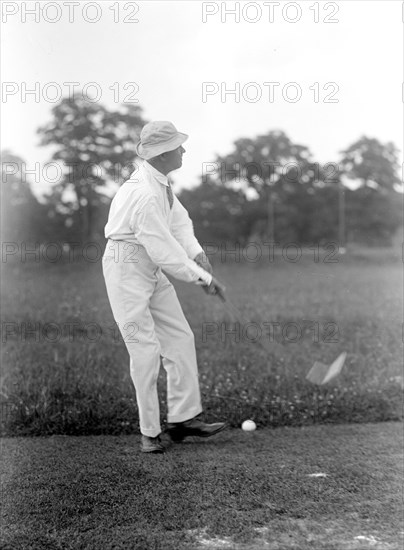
[[341, 217], [271, 220]]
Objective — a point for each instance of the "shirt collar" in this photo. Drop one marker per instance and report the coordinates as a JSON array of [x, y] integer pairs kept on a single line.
[[161, 178]]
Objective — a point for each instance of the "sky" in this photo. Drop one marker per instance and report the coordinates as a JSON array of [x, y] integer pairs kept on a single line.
[[176, 47]]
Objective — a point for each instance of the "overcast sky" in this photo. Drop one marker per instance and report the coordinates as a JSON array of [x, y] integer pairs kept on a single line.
[[170, 52]]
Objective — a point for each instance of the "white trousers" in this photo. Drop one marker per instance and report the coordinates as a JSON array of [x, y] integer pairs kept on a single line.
[[153, 326]]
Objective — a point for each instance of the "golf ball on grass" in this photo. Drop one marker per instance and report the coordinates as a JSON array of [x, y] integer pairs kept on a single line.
[[248, 426]]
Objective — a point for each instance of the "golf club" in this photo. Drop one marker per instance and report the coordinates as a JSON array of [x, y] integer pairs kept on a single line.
[[235, 312], [319, 374]]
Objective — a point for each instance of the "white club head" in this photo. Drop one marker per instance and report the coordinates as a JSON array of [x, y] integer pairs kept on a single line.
[[335, 368], [317, 373], [321, 374]]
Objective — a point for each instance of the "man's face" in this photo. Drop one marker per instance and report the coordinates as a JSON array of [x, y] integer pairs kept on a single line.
[[174, 158]]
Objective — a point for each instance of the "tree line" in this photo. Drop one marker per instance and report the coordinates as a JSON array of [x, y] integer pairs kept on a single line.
[[265, 188]]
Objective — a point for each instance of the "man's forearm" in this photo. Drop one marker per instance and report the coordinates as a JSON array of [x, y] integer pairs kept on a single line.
[[202, 260]]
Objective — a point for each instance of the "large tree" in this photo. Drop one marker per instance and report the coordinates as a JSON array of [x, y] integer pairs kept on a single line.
[[373, 212], [219, 214], [372, 163], [94, 146], [282, 174]]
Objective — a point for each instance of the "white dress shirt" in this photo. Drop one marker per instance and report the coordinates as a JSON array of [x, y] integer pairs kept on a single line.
[[140, 213]]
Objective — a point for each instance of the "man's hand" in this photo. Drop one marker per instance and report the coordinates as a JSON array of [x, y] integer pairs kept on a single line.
[[203, 261], [215, 287]]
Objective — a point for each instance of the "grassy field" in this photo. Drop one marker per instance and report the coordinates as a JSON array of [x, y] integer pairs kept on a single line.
[[322, 487], [65, 368]]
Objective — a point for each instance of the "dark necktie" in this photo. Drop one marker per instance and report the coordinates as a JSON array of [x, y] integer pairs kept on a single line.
[[170, 195]]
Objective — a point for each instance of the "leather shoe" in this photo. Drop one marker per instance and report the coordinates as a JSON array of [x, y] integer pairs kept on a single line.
[[151, 445], [195, 427]]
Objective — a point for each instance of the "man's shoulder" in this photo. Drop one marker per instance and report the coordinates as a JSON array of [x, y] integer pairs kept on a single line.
[[137, 185], [138, 193], [138, 176]]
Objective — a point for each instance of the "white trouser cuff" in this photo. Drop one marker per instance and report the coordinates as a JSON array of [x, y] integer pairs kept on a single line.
[[191, 413], [151, 432]]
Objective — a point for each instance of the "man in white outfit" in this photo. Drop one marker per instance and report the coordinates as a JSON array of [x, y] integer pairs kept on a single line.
[[148, 231]]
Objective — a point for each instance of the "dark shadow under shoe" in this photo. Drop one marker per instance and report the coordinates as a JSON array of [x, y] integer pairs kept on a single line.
[[195, 427], [151, 445]]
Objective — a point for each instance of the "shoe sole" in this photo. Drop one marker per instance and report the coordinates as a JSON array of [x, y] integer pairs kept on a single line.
[[153, 451], [178, 439]]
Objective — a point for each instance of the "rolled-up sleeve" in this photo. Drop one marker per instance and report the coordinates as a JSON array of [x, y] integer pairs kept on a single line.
[[183, 230], [152, 232]]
